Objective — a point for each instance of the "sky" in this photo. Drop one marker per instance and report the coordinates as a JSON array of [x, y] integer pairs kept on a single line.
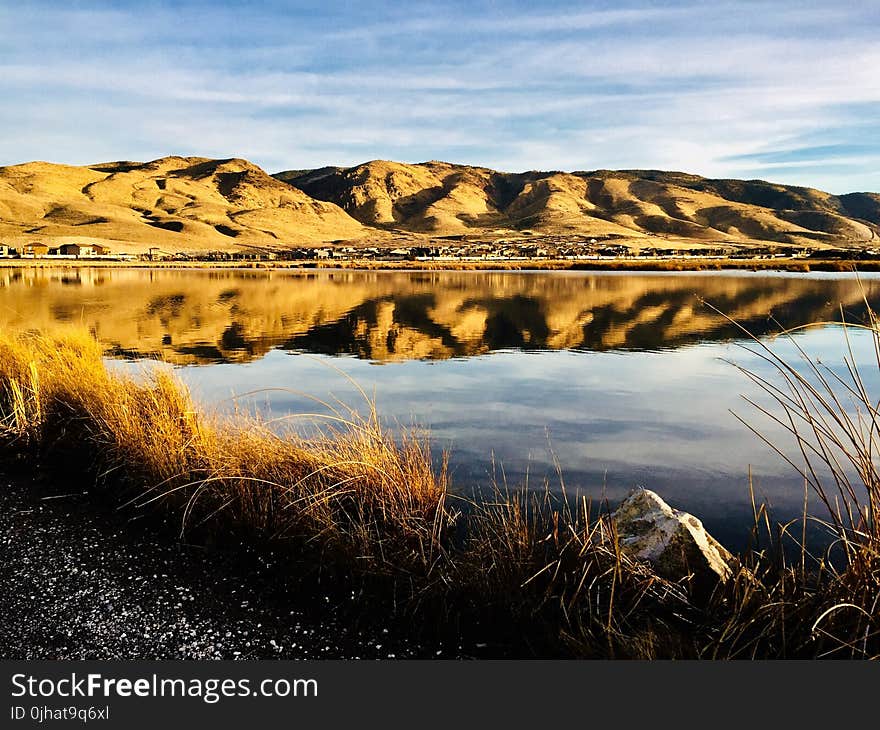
[[786, 91]]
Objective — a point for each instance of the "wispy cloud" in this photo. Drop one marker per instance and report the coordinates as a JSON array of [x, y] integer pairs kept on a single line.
[[727, 89]]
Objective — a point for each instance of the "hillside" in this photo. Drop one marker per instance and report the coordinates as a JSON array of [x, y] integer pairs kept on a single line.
[[174, 203], [198, 204], [442, 199]]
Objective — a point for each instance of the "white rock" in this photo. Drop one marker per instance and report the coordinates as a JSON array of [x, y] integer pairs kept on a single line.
[[674, 542]]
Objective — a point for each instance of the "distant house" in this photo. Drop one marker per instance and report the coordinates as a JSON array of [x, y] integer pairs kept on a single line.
[[83, 250], [34, 250], [155, 254], [6, 252]]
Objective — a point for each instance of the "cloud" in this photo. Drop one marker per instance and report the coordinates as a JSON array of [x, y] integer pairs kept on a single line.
[[728, 89]]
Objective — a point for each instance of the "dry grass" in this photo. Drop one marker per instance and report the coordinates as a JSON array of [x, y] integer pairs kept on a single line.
[[352, 497], [832, 417], [692, 263], [353, 493], [556, 566], [544, 570]]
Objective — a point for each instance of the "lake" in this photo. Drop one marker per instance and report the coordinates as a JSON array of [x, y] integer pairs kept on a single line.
[[620, 379]]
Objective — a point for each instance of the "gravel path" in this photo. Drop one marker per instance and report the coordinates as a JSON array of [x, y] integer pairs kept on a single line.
[[76, 583]]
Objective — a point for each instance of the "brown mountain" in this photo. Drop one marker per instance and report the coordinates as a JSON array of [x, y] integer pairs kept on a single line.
[[194, 203], [440, 198], [175, 203]]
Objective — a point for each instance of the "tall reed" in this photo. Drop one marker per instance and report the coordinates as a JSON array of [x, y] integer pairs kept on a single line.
[[830, 419]]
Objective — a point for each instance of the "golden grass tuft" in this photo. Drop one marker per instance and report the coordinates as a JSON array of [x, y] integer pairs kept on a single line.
[[352, 491]]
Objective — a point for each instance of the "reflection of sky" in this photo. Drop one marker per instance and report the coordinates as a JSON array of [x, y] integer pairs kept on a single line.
[[613, 420]]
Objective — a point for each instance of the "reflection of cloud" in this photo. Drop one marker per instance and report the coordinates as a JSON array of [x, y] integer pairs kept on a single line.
[[612, 420], [717, 88]]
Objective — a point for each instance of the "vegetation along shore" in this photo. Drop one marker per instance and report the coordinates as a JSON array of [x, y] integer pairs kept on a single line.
[[690, 263], [356, 509]]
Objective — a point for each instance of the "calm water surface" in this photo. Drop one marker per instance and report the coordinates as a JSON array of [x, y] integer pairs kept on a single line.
[[623, 378]]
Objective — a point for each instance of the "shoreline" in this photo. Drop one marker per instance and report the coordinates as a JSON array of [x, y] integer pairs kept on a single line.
[[793, 265], [371, 517], [104, 588]]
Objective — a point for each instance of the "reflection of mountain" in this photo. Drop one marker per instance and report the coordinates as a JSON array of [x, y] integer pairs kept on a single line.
[[214, 316]]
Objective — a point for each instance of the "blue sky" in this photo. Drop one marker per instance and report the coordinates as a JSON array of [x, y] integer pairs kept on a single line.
[[787, 91]]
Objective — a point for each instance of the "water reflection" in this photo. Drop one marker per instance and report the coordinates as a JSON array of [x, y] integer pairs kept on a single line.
[[195, 316]]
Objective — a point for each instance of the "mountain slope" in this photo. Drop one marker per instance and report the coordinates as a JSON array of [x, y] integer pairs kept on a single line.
[[174, 203], [853, 215], [440, 198], [200, 204]]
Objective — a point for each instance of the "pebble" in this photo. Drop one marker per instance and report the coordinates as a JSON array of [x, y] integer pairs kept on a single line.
[[75, 586]]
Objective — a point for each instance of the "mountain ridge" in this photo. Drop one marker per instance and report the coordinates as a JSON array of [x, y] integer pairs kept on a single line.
[[600, 202], [180, 203]]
